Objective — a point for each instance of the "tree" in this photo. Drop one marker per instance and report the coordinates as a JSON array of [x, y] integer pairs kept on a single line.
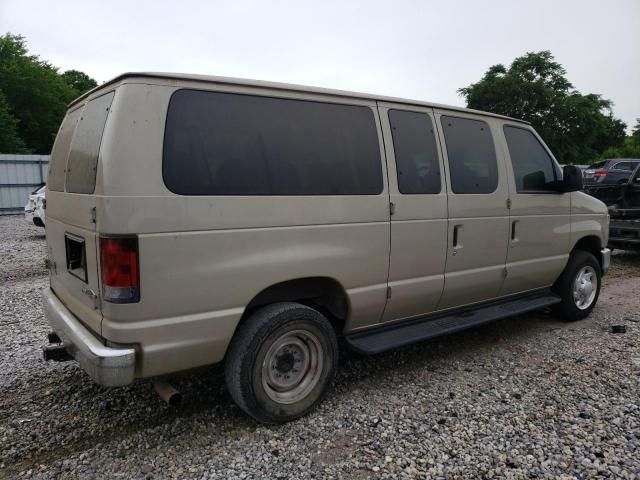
[[80, 81], [35, 92], [577, 128], [636, 131], [629, 149], [10, 141]]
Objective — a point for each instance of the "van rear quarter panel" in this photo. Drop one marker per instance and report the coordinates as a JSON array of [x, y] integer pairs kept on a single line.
[[203, 258]]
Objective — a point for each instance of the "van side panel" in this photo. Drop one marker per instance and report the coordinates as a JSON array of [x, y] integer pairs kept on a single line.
[[203, 258], [195, 285]]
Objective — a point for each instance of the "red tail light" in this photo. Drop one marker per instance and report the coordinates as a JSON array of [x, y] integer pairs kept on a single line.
[[599, 175], [119, 265]]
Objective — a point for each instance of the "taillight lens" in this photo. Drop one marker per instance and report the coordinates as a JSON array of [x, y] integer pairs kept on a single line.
[[600, 174], [119, 265]]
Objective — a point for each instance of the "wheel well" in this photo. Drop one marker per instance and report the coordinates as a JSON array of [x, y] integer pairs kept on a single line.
[[322, 293], [591, 244]]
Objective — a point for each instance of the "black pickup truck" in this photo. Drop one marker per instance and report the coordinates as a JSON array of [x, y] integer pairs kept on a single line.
[[623, 201]]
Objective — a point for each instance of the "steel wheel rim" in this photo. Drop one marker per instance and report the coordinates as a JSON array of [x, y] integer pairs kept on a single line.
[[292, 366], [585, 287]]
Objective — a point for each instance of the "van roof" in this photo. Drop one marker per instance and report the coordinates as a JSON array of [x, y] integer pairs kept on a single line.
[[284, 87]]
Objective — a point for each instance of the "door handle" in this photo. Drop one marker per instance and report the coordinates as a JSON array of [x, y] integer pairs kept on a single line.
[[456, 239], [514, 238]]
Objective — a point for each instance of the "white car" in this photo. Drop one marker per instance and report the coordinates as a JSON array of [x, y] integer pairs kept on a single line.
[[34, 210]]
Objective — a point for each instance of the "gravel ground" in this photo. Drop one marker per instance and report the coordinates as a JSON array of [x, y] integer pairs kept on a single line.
[[527, 397]]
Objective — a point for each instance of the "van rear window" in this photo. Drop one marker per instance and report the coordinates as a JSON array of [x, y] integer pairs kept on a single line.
[[60, 152], [83, 156], [232, 144]]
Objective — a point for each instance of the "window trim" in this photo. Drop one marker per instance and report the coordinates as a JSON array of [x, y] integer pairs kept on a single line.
[[554, 166], [450, 190], [376, 122], [438, 153]]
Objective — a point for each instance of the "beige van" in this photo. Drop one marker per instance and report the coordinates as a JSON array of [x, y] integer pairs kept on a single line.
[[194, 220]]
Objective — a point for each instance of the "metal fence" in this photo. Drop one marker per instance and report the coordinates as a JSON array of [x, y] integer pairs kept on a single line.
[[19, 176]]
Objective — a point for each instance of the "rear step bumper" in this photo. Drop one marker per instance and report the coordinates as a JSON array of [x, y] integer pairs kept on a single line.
[[108, 366], [396, 335]]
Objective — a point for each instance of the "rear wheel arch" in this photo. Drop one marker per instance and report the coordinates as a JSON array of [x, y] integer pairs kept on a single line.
[[324, 294]]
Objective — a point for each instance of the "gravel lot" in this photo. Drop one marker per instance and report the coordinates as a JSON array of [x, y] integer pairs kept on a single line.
[[527, 397]]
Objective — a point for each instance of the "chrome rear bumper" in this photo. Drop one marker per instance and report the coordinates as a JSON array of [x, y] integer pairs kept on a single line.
[[108, 366]]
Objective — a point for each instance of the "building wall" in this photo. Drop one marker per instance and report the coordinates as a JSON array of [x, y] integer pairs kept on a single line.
[[19, 176]]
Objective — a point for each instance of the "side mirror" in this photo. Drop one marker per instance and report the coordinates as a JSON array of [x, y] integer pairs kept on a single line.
[[571, 179]]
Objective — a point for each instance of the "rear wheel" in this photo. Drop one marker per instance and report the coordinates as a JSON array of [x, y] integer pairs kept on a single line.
[[578, 286], [281, 362]]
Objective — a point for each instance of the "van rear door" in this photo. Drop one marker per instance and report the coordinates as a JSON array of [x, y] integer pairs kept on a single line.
[[71, 210]]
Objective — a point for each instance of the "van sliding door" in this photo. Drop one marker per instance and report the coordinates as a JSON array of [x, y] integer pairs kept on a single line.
[[478, 212], [419, 220]]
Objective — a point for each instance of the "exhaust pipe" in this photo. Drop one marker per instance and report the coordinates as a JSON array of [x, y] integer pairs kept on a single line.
[[168, 393]]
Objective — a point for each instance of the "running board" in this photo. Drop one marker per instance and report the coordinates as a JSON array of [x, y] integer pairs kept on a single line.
[[396, 335]]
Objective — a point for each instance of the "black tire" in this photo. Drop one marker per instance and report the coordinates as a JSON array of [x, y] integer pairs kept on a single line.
[[564, 286], [246, 377]]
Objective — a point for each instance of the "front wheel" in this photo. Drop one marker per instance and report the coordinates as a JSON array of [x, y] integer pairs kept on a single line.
[[281, 362], [578, 286]]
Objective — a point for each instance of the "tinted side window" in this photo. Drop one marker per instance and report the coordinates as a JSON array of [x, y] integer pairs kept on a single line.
[[414, 143], [532, 166], [472, 155], [623, 166], [83, 157], [231, 144]]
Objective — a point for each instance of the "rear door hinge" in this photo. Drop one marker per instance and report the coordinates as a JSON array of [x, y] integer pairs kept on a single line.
[[392, 208], [93, 215], [508, 203], [505, 272], [388, 292]]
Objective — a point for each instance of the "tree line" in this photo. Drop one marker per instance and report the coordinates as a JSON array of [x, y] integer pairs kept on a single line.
[[578, 128], [33, 97]]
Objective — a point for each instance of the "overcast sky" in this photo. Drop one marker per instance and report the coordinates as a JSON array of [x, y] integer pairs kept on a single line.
[[422, 50]]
